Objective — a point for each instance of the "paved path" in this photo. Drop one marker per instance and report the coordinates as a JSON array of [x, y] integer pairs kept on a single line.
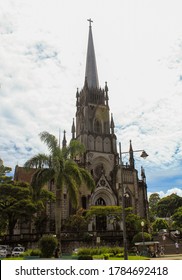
[[169, 257]]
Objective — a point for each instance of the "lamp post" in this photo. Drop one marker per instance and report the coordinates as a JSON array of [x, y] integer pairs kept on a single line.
[[143, 240], [143, 155]]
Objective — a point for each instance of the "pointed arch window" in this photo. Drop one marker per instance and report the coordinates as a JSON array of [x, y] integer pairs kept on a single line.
[[100, 202], [127, 198], [97, 126]]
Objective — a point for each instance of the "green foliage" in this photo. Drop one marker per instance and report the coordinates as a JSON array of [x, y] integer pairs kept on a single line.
[[153, 201], [100, 251], [177, 218], [168, 205], [4, 170], [85, 257], [61, 168], [76, 223], [139, 237], [159, 224], [47, 245], [15, 203], [133, 225], [104, 211], [31, 252]]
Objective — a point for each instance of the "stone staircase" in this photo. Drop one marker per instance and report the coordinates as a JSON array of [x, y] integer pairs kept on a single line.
[[169, 244]]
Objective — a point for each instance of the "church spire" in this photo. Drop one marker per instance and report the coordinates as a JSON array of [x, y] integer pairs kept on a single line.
[[131, 157], [64, 140], [91, 66], [73, 130]]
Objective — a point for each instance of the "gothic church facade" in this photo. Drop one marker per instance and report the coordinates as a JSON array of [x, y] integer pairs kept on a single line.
[[95, 128]]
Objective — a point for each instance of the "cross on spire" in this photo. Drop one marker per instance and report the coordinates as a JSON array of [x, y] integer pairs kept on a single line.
[[90, 22]]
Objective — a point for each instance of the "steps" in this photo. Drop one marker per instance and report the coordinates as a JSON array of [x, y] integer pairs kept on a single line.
[[168, 244]]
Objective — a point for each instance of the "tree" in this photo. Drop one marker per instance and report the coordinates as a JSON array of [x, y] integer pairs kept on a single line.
[[133, 224], [4, 170], [76, 222], [159, 224], [15, 200], [177, 218], [153, 201], [15, 203], [60, 167], [168, 205]]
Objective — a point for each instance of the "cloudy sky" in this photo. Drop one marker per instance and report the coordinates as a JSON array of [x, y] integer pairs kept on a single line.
[[138, 46]]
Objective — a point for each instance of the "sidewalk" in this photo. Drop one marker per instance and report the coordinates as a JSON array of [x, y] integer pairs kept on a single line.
[[169, 257]]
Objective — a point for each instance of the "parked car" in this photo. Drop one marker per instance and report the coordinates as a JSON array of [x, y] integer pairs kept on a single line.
[[5, 251], [17, 251]]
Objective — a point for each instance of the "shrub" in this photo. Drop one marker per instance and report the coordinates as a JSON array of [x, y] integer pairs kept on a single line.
[[85, 257], [106, 256], [48, 245], [139, 237], [35, 252], [100, 251]]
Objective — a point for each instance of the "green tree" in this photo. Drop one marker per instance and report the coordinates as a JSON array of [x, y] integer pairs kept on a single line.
[[15, 203], [153, 202], [177, 218], [77, 222], [4, 170], [60, 167], [133, 224], [168, 205], [159, 224]]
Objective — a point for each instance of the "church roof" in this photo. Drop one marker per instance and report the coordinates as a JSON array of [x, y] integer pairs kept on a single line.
[[91, 66]]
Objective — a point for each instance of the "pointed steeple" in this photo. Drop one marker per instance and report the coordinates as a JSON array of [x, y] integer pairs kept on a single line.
[[91, 66], [73, 130], [131, 157], [112, 124], [64, 140]]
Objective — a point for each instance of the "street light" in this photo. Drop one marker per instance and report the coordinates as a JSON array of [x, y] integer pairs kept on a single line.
[[143, 240], [143, 155]]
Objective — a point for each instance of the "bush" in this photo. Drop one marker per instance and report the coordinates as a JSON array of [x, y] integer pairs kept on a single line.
[[48, 245], [100, 251], [31, 252], [85, 257], [139, 237], [35, 252]]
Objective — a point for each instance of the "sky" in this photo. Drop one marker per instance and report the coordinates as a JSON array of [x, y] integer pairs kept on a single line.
[[138, 45]]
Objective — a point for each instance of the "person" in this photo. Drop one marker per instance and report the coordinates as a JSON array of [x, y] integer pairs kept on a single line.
[[56, 254], [177, 247], [162, 250]]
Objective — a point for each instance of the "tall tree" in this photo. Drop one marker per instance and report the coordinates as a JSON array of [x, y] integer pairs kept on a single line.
[[153, 201], [177, 218], [60, 167], [168, 205], [15, 203]]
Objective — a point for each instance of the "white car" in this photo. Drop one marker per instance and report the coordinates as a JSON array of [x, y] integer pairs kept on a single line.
[[17, 251], [5, 251]]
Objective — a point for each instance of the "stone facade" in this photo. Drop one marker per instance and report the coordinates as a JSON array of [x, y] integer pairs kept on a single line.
[[95, 129]]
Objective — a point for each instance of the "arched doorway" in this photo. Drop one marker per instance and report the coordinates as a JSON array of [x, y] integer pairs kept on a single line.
[[101, 221]]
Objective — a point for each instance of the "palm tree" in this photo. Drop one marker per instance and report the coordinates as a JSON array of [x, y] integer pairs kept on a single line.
[[61, 167]]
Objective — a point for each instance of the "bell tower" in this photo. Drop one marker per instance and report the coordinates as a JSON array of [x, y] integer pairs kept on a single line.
[[95, 129]]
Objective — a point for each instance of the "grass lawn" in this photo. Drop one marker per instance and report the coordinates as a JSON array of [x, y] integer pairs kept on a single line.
[[99, 257], [95, 257]]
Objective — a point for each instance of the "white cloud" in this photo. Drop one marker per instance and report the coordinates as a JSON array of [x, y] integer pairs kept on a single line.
[[168, 192], [139, 53]]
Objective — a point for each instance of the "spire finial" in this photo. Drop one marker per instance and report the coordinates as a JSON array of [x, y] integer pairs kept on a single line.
[[90, 22]]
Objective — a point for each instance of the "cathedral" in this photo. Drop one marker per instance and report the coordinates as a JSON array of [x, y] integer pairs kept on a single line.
[[94, 127]]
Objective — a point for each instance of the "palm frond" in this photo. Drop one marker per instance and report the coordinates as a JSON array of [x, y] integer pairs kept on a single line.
[[39, 179], [38, 161], [73, 190], [50, 140], [73, 170], [87, 178]]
